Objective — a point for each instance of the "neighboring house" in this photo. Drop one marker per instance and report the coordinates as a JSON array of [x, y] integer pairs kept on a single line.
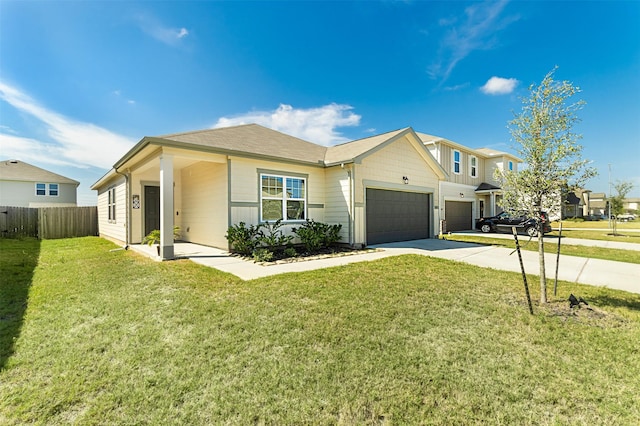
[[24, 185], [469, 190], [576, 204], [380, 189], [631, 205], [598, 204]]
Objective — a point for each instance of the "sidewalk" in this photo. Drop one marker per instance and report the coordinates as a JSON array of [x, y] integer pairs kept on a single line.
[[553, 239], [617, 275]]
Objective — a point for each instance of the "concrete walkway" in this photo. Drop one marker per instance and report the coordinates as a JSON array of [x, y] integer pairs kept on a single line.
[[553, 239], [616, 275]]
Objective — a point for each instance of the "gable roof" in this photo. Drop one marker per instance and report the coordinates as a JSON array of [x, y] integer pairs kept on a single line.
[[246, 139], [15, 170], [350, 151], [254, 140]]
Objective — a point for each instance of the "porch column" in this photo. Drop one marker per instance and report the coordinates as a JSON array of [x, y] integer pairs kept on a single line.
[[166, 206], [492, 203]]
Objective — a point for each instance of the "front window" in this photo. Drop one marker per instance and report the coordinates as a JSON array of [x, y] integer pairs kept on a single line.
[[511, 165], [282, 197], [53, 189], [473, 166], [456, 162], [111, 205]]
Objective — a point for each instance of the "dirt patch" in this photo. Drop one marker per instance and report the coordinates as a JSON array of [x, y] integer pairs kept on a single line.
[[583, 313]]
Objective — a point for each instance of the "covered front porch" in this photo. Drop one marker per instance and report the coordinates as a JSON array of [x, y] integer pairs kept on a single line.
[[168, 188], [488, 196]]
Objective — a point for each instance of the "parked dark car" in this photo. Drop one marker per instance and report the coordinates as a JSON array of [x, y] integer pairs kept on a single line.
[[504, 221]]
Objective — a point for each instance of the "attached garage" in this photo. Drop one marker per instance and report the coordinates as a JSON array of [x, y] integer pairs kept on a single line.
[[396, 216], [458, 215]]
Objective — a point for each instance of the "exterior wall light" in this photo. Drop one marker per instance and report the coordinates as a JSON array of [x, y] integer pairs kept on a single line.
[[405, 179]]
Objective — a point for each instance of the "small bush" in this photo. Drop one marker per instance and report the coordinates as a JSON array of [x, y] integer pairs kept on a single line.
[[263, 255], [272, 235], [317, 235], [243, 239], [290, 252]]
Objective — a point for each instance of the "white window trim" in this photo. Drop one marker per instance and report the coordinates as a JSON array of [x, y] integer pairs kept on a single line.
[[57, 190], [111, 204], [473, 168], [45, 189], [284, 198], [453, 162]]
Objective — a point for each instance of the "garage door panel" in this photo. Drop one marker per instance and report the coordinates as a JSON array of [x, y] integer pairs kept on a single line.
[[458, 215], [396, 216]]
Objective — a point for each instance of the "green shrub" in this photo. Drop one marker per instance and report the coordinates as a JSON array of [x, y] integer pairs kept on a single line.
[[317, 235], [243, 239], [290, 252], [263, 255], [272, 235]]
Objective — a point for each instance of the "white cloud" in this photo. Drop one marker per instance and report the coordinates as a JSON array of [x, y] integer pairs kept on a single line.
[[499, 86], [313, 124], [70, 142], [475, 31], [165, 34]]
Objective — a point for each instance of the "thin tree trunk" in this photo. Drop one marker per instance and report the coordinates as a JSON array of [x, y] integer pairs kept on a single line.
[[543, 275]]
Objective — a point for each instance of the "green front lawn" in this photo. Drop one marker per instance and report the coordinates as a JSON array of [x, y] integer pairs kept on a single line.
[[94, 336], [551, 246]]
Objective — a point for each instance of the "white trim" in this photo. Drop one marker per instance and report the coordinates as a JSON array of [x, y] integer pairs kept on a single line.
[[473, 167], [453, 162], [284, 198]]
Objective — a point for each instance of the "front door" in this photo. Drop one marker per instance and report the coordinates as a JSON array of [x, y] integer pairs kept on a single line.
[[151, 208]]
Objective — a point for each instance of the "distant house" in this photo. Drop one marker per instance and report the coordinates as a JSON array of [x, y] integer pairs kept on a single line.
[[631, 205], [598, 204], [576, 203], [24, 185]]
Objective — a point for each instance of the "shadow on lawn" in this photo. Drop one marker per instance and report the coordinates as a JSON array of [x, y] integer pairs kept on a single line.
[[17, 263], [631, 302]]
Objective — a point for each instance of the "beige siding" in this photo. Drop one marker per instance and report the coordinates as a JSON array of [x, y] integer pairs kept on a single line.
[[337, 198], [203, 213], [23, 194], [464, 177], [245, 188], [113, 230], [386, 168]]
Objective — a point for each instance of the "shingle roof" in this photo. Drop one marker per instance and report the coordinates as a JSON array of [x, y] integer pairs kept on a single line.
[[20, 171], [255, 140]]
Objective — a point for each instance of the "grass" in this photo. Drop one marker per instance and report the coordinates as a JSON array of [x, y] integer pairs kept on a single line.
[[551, 246], [628, 232], [109, 337]]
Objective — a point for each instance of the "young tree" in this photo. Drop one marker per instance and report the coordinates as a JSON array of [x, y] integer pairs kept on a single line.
[[617, 201], [543, 137]]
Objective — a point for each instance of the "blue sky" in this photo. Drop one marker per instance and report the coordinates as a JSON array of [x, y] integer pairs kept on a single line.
[[82, 82]]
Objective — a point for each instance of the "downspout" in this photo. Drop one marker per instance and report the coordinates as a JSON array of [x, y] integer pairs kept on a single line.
[[126, 208], [350, 208], [352, 191]]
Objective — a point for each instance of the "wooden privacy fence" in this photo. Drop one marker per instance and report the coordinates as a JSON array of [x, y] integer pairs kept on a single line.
[[48, 222]]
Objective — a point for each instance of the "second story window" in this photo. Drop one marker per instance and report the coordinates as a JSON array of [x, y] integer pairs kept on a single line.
[[473, 166], [41, 189], [456, 162], [511, 165]]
